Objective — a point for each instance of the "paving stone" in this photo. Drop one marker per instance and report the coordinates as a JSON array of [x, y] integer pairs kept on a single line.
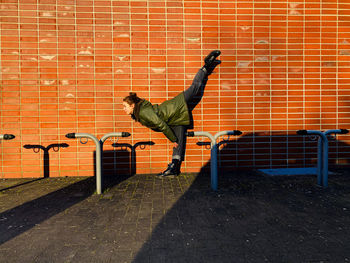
[[144, 219]]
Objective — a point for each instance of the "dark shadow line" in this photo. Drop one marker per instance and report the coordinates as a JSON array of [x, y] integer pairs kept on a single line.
[[24, 217], [17, 185]]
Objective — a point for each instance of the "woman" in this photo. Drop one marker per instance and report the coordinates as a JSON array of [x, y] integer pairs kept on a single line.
[[173, 116]]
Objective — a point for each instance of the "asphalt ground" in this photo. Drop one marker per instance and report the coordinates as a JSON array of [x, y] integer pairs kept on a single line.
[[141, 218]]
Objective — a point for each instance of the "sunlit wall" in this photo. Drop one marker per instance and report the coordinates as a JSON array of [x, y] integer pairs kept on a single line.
[[67, 64]]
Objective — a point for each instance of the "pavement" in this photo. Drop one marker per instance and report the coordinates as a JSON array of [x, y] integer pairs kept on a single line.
[[141, 218]]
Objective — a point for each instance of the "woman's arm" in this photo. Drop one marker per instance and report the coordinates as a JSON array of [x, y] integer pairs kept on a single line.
[[151, 120]]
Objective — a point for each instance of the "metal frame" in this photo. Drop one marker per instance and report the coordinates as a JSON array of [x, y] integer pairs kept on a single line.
[[99, 149], [213, 152], [322, 152]]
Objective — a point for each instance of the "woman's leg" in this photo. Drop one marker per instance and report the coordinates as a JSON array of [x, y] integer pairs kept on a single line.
[[193, 96], [194, 93], [201, 78], [197, 87], [178, 152]]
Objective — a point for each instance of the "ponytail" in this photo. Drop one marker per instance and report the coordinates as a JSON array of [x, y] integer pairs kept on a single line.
[[132, 98]]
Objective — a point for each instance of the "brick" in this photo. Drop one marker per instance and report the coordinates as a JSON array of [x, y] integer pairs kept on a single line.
[[270, 67]]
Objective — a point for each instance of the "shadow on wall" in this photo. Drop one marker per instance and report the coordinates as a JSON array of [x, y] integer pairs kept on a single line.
[[252, 217], [251, 150], [55, 147], [261, 150], [123, 160]]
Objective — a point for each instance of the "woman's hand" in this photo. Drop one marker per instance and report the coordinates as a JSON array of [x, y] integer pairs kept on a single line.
[[176, 145]]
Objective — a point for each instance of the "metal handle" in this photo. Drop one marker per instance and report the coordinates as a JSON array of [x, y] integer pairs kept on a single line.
[[344, 131], [70, 135], [125, 134], [9, 136], [236, 132], [190, 134], [302, 132]]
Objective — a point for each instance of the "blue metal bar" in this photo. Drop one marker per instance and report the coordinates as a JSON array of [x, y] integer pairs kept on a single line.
[[214, 167], [325, 153], [337, 131], [319, 160], [213, 157], [213, 153], [322, 152], [325, 161]]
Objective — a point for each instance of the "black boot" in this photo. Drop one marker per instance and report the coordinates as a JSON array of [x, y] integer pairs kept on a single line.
[[211, 62], [172, 170], [210, 68], [211, 57]]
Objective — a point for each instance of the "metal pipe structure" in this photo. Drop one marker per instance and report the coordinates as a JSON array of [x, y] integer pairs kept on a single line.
[[99, 149], [213, 152], [325, 157], [114, 134], [322, 152], [98, 156], [7, 136]]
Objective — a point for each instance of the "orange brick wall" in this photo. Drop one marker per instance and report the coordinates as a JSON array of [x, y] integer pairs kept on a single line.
[[67, 64]]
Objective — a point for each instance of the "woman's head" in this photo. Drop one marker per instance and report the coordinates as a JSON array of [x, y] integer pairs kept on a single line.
[[129, 102]]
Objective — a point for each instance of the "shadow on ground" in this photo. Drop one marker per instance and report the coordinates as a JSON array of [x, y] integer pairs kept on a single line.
[[255, 218], [15, 221], [141, 218], [14, 183], [21, 218]]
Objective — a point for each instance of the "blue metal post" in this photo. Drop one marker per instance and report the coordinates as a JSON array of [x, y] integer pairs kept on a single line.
[[322, 153], [214, 167], [325, 161], [326, 151], [321, 147], [213, 153], [319, 160]]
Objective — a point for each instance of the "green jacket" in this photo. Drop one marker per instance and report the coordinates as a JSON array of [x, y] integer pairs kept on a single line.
[[172, 112]]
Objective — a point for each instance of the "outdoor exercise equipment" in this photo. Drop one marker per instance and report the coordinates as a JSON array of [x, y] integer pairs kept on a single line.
[[7, 136], [322, 152], [213, 152], [99, 149]]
